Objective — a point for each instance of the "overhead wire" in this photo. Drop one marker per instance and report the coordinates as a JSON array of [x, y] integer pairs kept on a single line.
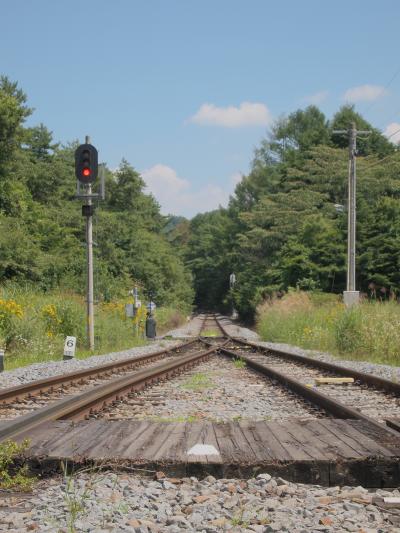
[[380, 161], [383, 90], [392, 134]]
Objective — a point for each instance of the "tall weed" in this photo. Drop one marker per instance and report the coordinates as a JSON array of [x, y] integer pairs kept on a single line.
[[370, 331]]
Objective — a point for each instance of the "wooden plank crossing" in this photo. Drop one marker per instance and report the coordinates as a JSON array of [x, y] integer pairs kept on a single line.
[[325, 451]]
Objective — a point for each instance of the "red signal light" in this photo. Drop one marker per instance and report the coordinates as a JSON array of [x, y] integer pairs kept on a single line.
[[86, 172]]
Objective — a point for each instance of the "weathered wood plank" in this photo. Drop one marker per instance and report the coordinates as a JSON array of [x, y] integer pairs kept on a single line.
[[228, 445], [328, 435], [259, 448], [272, 445], [360, 441], [159, 439], [194, 434], [316, 448], [319, 450], [393, 423], [288, 442]]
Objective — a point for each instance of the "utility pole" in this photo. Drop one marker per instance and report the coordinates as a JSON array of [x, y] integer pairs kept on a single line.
[[351, 295]]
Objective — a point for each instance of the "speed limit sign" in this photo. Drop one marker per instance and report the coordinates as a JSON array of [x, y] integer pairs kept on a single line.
[[69, 348]]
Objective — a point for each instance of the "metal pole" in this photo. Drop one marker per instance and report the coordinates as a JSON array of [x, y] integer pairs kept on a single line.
[[351, 236], [89, 255]]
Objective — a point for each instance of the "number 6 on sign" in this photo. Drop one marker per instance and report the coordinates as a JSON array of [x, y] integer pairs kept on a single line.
[[69, 348]]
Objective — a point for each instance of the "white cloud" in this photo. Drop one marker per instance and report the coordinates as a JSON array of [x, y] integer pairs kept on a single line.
[[177, 196], [364, 93], [236, 178], [162, 178], [393, 131], [247, 114], [317, 98]]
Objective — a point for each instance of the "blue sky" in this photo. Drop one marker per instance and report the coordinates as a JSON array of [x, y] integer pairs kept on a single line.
[[186, 90]]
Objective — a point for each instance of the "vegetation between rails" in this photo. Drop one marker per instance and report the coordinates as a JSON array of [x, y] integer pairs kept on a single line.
[[370, 331], [198, 382], [210, 333], [239, 362]]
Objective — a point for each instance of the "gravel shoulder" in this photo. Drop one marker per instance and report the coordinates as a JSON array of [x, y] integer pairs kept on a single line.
[[19, 376], [106, 502]]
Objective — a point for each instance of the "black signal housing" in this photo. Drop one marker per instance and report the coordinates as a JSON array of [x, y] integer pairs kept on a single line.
[[86, 163]]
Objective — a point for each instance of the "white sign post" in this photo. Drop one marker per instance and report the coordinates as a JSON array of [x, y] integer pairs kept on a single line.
[[69, 348]]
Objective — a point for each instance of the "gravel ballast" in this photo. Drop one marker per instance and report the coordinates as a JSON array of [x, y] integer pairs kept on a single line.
[[216, 390], [108, 502]]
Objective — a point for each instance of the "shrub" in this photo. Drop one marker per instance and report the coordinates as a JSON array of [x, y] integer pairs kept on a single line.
[[12, 476], [64, 318], [10, 313]]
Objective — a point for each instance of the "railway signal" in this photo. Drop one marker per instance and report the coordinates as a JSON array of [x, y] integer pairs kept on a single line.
[[86, 170], [86, 163]]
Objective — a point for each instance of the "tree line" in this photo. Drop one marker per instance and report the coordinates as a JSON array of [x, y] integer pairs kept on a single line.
[[42, 232], [286, 223]]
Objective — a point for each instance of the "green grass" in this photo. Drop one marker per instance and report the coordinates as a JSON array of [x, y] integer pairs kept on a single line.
[[33, 325], [198, 382], [239, 363], [210, 333], [370, 331]]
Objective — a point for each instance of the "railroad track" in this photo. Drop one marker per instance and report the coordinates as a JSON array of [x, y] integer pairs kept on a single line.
[[44, 401], [35, 403], [212, 328], [40, 392], [370, 398]]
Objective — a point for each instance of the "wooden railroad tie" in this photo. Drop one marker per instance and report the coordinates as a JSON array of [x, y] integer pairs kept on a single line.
[[334, 381]]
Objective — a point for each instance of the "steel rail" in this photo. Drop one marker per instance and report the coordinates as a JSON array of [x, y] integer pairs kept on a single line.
[[319, 399], [41, 385], [368, 379], [79, 406], [332, 406], [213, 317], [203, 324]]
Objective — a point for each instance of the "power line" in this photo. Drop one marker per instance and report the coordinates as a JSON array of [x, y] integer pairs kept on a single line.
[[380, 161], [382, 91], [394, 133]]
